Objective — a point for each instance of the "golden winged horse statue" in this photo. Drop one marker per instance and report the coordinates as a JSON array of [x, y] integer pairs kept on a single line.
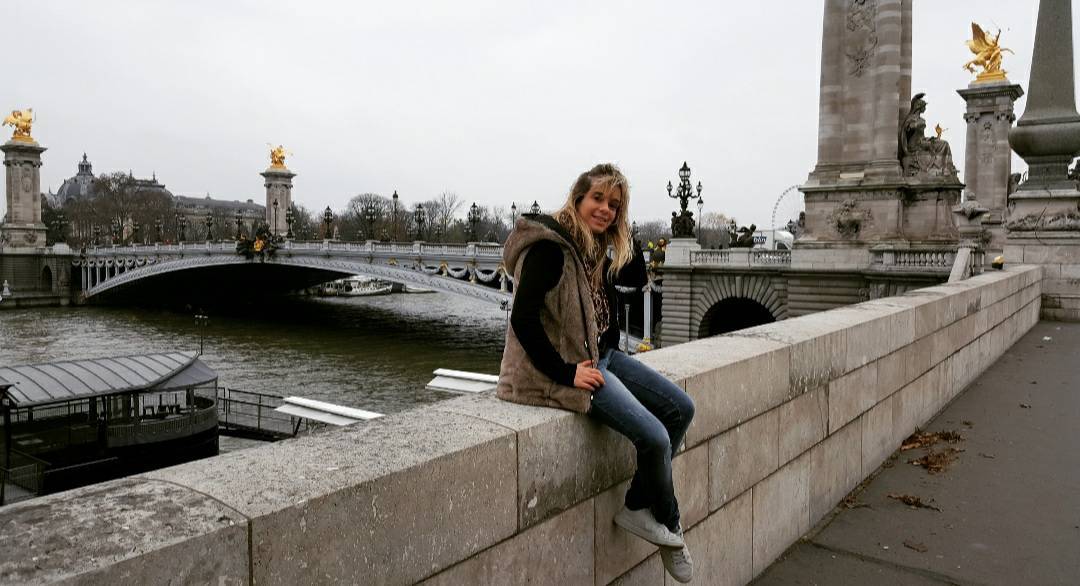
[[987, 55], [277, 156], [21, 120]]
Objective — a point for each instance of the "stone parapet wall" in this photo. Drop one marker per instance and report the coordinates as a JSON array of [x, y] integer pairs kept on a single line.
[[1059, 256], [790, 417]]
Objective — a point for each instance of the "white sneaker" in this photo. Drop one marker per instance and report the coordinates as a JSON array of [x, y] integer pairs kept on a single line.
[[642, 523], [677, 561]]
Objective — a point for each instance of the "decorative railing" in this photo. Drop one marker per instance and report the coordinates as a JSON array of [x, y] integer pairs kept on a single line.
[[740, 257], [173, 426], [137, 255], [920, 260]]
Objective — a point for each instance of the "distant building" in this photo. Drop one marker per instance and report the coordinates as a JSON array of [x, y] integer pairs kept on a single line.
[[194, 208]]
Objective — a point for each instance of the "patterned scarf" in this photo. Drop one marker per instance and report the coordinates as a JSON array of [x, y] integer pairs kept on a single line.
[[599, 299]]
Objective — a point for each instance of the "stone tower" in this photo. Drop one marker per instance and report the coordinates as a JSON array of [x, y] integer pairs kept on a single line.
[[278, 183], [879, 180], [22, 226]]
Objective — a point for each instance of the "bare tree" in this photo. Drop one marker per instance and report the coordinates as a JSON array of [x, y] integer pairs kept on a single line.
[[444, 209]]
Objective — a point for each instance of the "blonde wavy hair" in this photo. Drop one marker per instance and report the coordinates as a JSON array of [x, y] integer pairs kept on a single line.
[[594, 247]]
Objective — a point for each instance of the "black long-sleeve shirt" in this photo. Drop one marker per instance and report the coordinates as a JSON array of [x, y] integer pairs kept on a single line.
[[540, 273]]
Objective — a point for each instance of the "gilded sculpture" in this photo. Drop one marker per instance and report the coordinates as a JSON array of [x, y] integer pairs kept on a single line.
[[277, 156], [21, 121], [987, 55]]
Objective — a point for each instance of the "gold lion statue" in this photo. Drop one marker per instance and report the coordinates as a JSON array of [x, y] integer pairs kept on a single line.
[[21, 120], [277, 156], [987, 55]]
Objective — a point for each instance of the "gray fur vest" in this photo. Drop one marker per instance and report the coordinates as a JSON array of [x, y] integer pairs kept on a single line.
[[567, 316]]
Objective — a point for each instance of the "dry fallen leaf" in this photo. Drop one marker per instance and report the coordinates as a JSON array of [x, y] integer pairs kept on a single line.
[[912, 501], [916, 546]]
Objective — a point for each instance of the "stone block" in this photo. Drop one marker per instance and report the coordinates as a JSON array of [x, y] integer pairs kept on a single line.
[[818, 347], [557, 552], [690, 474], [358, 487], [742, 456], [616, 551], [563, 457], [1054, 254], [723, 546], [128, 531], [886, 329], [907, 410], [781, 511], [730, 379], [804, 421], [648, 573], [835, 468], [877, 430], [851, 395]]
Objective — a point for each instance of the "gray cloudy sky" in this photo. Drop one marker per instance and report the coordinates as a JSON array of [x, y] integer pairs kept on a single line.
[[497, 101]]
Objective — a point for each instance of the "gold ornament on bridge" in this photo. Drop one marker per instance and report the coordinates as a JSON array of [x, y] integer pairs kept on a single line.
[[277, 156], [987, 55], [938, 130], [21, 121]]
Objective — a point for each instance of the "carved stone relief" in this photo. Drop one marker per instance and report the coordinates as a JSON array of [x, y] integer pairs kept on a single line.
[[861, 39]]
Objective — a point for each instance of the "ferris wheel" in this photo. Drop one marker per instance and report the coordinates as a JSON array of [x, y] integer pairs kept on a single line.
[[788, 206]]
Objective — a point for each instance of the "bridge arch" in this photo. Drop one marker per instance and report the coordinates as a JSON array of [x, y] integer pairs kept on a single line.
[[45, 283], [729, 302], [458, 281]]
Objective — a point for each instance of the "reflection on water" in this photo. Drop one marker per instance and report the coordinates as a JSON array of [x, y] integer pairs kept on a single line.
[[375, 353]]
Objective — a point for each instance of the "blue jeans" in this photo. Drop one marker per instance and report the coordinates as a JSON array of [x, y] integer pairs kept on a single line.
[[653, 413]]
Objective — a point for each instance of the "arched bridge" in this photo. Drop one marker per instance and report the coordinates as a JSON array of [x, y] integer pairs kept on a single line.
[[473, 269]]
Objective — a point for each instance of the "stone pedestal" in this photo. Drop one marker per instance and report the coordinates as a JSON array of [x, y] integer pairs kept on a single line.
[[678, 251], [22, 226], [278, 189], [988, 162], [1043, 223]]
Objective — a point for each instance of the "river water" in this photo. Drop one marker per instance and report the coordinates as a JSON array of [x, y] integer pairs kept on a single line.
[[375, 353]]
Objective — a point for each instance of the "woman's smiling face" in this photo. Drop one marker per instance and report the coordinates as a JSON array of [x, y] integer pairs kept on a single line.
[[600, 206]]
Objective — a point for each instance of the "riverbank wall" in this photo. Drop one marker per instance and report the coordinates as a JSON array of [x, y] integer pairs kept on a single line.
[[790, 417], [35, 277]]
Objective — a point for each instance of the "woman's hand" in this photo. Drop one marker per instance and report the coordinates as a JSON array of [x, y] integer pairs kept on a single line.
[[588, 378]]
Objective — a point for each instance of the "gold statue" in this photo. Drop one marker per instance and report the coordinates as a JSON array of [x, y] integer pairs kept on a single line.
[[277, 156], [987, 55], [21, 120], [939, 130]]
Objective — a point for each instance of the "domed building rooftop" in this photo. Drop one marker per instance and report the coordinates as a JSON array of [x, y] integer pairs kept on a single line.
[[79, 186]]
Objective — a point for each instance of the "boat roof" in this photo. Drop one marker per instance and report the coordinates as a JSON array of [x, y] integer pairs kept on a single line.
[[54, 382]]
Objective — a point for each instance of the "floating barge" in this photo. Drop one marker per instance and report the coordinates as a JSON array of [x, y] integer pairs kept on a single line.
[[72, 423]]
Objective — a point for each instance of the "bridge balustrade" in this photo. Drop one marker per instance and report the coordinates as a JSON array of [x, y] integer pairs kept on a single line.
[[924, 260], [740, 257]]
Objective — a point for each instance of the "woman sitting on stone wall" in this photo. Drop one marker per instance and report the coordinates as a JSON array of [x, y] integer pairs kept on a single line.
[[562, 346]]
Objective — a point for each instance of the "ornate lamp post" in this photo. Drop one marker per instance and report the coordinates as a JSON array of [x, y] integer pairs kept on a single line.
[[289, 219], [682, 224], [209, 226], [239, 218], [371, 213], [394, 217], [419, 216], [438, 232], [474, 220], [135, 228], [158, 223], [535, 209], [115, 230], [201, 321], [182, 226], [513, 214], [275, 217], [96, 235], [328, 219]]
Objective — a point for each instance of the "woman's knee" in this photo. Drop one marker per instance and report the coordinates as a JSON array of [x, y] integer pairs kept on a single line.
[[686, 407], [654, 439]]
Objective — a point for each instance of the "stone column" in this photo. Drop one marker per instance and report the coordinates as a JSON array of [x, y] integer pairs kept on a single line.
[[22, 227], [1043, 224], [278, 188], [988, 162]]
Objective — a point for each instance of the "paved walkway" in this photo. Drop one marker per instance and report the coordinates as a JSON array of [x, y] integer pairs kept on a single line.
[[1009, 503]]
